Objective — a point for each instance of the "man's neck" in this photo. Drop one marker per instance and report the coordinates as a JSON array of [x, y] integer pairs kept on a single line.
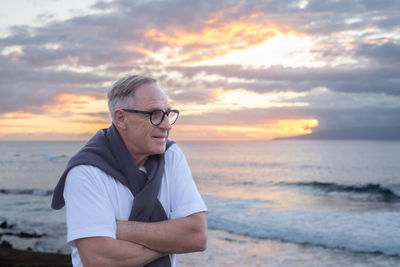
[[139, 160]]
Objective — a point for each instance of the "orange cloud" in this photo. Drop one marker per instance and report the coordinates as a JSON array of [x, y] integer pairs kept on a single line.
[[234, 34], [214, 40], [69, 101]]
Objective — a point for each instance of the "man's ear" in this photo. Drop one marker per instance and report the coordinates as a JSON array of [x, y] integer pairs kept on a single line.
[[119, 119]]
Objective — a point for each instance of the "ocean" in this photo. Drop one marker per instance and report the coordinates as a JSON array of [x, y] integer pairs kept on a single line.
[[333, 200]]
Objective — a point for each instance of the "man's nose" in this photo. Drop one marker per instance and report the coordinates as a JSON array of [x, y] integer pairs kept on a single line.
[[165, 124]]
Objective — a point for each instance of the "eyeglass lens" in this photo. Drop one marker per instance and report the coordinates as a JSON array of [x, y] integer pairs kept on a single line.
[[157, 117]]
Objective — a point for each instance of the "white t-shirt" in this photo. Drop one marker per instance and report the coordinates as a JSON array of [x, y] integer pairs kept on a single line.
[[94, 200]]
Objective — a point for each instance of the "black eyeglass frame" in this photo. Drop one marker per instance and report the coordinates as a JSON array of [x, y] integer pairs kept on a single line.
[[150, 113]]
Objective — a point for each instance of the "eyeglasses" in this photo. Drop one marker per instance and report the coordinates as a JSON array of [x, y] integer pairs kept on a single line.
[[157, 116]]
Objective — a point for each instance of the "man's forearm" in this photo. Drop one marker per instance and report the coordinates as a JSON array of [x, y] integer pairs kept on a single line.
[[106, 251], [182, 235]]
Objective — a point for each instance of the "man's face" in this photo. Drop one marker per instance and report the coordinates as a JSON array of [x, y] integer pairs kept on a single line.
[[141, 137]]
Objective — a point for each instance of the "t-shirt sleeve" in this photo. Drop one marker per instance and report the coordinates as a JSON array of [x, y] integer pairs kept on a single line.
[[185, 197], [88, 208]]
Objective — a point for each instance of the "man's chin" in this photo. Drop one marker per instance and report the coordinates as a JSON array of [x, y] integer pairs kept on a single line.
[[159, 147]]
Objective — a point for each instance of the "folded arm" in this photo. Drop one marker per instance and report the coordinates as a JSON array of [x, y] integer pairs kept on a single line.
[[182, 235], [106, 251]]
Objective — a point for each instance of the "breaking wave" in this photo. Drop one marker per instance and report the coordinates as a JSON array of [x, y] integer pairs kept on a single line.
[[386, 193], [35, 192]]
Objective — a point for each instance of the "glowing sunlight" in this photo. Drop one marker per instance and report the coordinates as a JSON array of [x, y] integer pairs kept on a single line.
[[67, 117], [266, 131], [291, 50]]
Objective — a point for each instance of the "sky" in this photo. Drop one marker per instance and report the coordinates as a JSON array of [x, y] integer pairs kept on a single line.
[[236, 70]]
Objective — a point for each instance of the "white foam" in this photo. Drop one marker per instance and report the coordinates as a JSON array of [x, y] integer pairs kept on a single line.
[[371, 232]]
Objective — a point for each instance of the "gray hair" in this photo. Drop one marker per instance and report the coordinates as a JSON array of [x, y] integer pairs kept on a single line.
[[123, 90]]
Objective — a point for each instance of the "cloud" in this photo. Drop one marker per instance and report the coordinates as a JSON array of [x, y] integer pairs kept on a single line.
[[387, 53], [328, 17], [79, 54], [23, 87], [336, 112], [133, 31], [329, 118], [359, 79], [357, 42]]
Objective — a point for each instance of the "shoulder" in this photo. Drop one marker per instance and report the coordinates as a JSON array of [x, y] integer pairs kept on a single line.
[[85, 171], [91, 181], [173, 148], [174, 154], [86, 175], [176, 164]]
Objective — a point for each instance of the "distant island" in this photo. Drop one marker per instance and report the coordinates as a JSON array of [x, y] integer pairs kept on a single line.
[[361, 133]]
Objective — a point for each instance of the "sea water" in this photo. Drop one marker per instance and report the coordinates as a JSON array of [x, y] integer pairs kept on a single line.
[[340, 199]]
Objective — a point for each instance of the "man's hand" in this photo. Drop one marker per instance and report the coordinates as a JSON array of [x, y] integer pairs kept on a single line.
[[182, 235]]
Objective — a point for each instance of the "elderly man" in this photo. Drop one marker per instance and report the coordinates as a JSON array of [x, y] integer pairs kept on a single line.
[[129, 194]]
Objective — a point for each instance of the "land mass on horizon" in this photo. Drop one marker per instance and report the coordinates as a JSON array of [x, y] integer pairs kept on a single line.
[[359, 133]]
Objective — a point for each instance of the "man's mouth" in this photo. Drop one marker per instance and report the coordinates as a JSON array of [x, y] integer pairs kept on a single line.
[[160, 137]]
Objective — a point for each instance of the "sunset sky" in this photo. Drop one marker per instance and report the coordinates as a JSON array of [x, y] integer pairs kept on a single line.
[[236, 70]]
